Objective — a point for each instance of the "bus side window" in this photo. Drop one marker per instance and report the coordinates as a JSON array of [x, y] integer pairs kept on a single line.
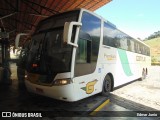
[[88, 44], [84, 48], [148, 51], [129, 45], [140, 50], [123, 43], [136, 47], [109, 35], [117, 43], [132, 46], [82, 51], [143, 52]]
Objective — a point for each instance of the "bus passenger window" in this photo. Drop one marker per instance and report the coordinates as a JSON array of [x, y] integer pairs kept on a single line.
[[132, 46], [123, 43], [139, 48], [117, 43], [129, 45]]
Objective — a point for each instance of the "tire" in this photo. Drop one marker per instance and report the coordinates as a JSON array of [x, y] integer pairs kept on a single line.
[[20, 75], [143, 74], [146, 71], [107, 85]]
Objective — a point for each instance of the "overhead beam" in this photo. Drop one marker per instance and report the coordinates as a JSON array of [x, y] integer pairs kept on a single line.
[[7, 9], [31, 7], [12, 31], [8, 15], [11, 5], [48, 9], [17, 5], [40, 15], [25, 12], [3, 25], [1, 18], [94, 4], [24, 22], [8, 23]]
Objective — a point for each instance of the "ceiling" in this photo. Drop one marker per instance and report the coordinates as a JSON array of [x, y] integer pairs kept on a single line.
[[17, 16]]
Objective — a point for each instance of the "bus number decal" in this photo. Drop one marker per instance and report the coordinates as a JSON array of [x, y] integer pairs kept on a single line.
[[89, 87]]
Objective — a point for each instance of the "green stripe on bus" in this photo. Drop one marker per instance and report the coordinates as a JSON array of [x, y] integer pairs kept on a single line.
[[124, 62]]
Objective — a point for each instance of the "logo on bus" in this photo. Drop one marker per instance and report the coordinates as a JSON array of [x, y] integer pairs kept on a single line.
[[140, 58], [89, 87], [109, 57]]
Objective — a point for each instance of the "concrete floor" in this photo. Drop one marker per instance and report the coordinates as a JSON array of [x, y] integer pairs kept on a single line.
[[13, 67], [146, 92]]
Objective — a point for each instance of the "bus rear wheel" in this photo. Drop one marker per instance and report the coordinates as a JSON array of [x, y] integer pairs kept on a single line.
[[107, 85], [143, 74]]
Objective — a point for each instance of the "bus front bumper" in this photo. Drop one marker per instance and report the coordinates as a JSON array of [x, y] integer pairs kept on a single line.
[[65, 92]]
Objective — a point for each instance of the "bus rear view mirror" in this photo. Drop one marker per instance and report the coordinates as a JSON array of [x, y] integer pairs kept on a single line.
[[68, 31], [18, 38]]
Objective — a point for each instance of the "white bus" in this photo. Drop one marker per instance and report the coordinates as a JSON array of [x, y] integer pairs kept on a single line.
[[77, 54]]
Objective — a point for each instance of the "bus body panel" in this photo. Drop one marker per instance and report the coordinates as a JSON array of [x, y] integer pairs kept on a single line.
[[64, 93], [88, 85], [122, 71]]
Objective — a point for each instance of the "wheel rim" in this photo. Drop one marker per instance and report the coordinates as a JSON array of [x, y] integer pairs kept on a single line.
[[107, 86], [143, 74]]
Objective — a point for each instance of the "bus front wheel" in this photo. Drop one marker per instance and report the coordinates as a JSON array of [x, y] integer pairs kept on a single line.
[[107, 85]]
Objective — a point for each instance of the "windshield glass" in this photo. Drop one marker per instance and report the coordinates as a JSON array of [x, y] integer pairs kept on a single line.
[[48, 54]]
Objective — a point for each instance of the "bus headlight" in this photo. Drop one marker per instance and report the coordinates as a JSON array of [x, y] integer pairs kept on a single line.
[[25, 77], [62, 82]]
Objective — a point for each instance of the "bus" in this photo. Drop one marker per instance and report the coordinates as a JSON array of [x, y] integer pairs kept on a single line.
[[77, 54]]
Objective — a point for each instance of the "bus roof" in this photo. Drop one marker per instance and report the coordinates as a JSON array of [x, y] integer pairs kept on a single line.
[[82, 9]]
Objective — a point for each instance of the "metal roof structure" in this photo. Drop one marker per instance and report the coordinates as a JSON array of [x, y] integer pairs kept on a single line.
[[17, 16]]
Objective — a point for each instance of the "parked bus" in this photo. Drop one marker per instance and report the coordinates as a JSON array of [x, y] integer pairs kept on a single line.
[[77, 54]]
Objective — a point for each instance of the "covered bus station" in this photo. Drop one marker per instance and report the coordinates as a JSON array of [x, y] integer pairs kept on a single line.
[[22, 16]]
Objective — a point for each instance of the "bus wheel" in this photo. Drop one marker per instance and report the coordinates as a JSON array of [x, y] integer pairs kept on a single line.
[[146, 71], [143, 74], [107, 85]]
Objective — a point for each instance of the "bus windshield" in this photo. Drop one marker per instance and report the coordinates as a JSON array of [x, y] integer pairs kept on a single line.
[[48, 54]]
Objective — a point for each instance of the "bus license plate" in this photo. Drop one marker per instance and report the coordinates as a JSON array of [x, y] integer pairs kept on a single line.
[[39, 90]]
